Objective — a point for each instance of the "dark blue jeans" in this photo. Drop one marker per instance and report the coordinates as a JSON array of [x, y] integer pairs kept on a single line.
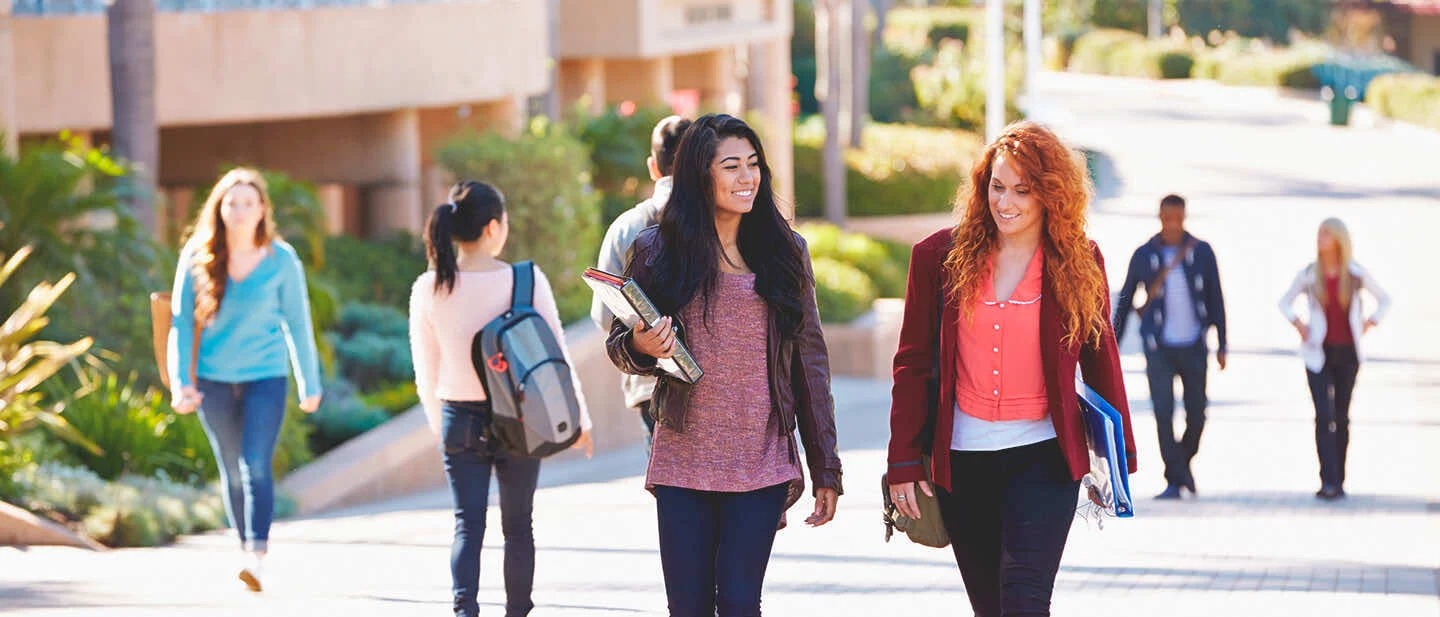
[[1331, 390], [469, 457], [1161, 367], [714, 548], [243, 423], [1008, 518]]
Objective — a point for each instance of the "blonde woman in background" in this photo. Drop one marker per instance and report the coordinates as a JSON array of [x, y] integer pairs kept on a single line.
[[1330, 342]]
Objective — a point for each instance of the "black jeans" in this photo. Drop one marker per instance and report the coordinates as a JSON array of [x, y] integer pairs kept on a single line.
[[1161, 367], [714, 548], [1008, 518], [469, 458], [1330, 390]]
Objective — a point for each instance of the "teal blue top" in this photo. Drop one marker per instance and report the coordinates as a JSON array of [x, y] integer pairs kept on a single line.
[[263, 328]]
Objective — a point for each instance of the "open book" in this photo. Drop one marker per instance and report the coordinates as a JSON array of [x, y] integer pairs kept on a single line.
[[630, 305]]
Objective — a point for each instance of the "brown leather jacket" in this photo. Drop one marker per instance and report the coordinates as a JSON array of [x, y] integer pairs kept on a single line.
[[799, 374]]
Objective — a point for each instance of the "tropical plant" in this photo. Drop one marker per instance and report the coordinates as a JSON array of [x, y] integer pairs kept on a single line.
[[26, 364]]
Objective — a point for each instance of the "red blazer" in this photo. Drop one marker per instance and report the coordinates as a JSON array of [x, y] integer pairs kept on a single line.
[[1100, 366]]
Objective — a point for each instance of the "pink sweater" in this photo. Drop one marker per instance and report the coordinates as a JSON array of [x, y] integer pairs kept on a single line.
[[442, 328], [730, 442]]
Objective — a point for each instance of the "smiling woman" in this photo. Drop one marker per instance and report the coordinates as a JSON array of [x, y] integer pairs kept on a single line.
[[725, 263]]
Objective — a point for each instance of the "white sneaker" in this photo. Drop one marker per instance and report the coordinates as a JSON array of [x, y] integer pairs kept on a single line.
[[250, 574]]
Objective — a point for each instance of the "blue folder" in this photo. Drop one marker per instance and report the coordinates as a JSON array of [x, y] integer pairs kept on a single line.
[[1109, 471]]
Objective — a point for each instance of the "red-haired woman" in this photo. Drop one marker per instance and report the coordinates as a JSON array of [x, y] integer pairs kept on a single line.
[[1015, 297]]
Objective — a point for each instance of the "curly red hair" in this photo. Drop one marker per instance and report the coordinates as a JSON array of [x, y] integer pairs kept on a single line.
[[1057, 176]]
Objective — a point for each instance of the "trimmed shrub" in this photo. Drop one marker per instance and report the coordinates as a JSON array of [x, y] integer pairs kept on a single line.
[[892, 94], [899, 169], [1409, 97], [128, 512], [373, 272], [868, 255], [372, 344], [619, 145], [1095, 51], [394, 399], [1176, 64], [915, 31], [554, 214], [842, 291], [342, 416], [949, 31]]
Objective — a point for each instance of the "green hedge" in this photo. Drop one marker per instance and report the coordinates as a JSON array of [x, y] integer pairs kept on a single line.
[[545, 174], [884, 264], [1409, 97], [842, 291], [1096, 51], [899, 169], [916, 31]]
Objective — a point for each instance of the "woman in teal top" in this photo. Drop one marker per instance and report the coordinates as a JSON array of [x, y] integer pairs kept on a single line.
[[245, 288]]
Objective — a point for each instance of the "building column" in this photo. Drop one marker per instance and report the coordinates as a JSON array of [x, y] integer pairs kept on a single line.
[[505, 116], [394, 203], [9, 125], [646, 82], [769, 76], [583, 79], [721, 91]]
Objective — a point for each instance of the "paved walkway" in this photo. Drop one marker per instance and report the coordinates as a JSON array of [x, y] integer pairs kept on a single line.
[[1260, 173]]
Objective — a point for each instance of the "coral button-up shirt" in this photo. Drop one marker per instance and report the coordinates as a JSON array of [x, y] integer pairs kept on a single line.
[[1000, 375]]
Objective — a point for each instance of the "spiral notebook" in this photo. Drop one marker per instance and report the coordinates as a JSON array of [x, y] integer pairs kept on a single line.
[[629, 304]]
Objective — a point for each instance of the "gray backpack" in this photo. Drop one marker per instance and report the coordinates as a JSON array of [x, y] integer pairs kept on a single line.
[[536, 412]]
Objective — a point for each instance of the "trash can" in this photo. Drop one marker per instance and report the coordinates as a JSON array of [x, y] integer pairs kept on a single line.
[[1340, 104]]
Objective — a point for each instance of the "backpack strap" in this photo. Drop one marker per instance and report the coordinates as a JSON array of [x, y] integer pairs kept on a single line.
[[523, 294]]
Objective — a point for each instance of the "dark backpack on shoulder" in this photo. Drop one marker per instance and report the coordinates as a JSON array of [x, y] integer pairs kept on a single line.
[[536, 411]]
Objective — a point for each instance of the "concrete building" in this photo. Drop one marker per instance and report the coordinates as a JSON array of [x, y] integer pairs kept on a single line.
[[355, 95], [1415, 26], [697, 56]]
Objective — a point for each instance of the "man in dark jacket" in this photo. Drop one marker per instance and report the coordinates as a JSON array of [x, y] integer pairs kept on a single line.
[[615, 250], [1182, 301]]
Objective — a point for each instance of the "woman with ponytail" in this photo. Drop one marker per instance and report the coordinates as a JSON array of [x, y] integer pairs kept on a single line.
[[242, 289], [467, 287]]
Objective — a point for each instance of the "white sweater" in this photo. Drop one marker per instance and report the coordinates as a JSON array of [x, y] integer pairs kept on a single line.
[[1312, 350]]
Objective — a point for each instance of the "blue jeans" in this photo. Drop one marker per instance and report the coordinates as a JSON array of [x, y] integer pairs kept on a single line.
[[243, 423], [714, 548], [469, 457], [1161, 367]]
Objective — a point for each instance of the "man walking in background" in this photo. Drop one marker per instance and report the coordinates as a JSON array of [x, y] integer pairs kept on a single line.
[[615, 250], [1182, 301]]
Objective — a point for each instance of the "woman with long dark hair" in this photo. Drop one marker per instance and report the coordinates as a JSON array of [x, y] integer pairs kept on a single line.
[[244, 289], [1008, 302], [736, 285], [467, 287]]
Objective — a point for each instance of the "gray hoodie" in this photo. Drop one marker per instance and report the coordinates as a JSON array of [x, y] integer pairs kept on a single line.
[[614, 256]]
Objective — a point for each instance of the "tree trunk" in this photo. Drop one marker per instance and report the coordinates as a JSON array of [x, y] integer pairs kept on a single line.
[[552, 98], [827, 90], [860, 59], [135, 135]]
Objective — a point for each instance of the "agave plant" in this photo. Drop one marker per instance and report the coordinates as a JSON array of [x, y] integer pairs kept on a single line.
[[26, 364]]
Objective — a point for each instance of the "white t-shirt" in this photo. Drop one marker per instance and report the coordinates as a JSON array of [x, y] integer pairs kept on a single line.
[[971, 434]]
